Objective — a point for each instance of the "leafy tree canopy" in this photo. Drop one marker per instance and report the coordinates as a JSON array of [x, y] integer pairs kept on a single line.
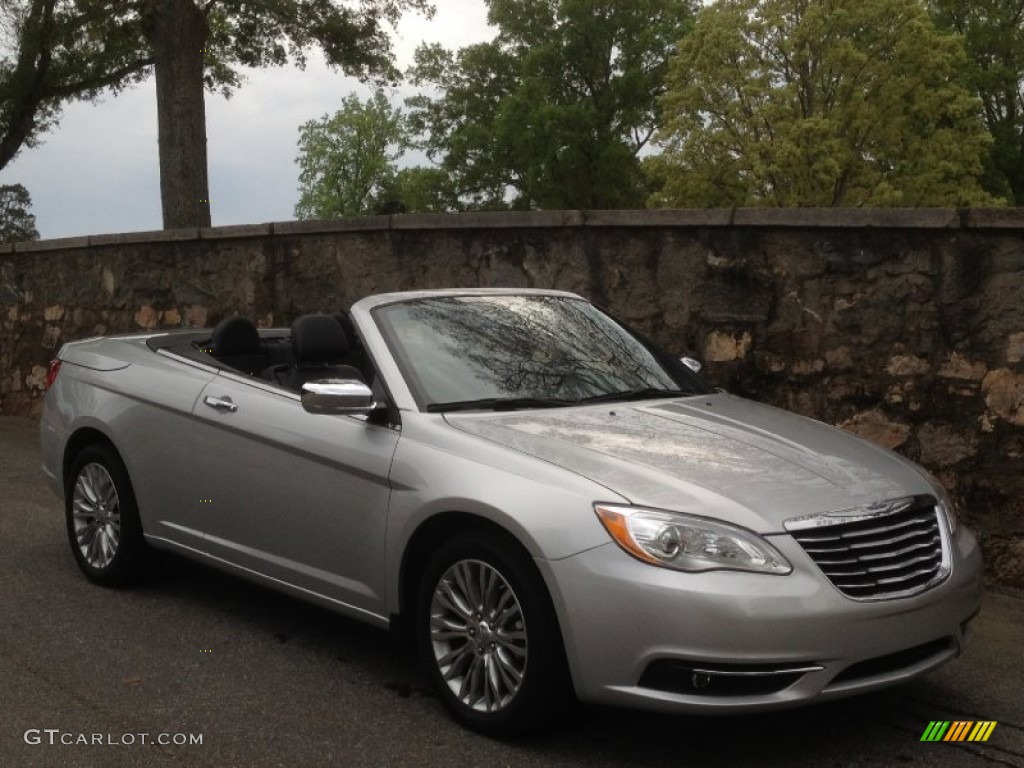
[[53, 51], [17, 223], [419, 190], [352, 35], [56, 51], [346, 160], [554, 112], [348, 165], [819, 103], [993, 35]]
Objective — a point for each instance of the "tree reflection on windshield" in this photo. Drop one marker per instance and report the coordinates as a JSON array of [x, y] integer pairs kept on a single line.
[[467, 348]]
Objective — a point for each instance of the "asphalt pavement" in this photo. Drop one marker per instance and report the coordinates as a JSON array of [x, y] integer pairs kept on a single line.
[[97, 677]]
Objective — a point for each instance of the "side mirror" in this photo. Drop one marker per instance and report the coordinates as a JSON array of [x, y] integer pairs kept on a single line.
[[693, 365], [337, 396]]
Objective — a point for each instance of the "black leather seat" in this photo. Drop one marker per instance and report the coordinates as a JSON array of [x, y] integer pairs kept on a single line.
[[320, 346], [236, 342]]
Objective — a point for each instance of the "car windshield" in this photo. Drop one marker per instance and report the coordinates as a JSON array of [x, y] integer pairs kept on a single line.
[[509, 351]]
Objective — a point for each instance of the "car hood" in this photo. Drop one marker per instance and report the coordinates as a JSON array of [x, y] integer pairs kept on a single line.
[[714, 455]]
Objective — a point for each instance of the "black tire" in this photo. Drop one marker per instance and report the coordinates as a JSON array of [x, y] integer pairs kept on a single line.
[[479, 647], [102, 518]]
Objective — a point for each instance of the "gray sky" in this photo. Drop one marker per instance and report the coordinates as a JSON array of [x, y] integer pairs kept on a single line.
[[98, 171]]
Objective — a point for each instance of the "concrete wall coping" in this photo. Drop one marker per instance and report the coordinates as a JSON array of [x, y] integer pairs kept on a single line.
[[59, 244], [802, 218], [131, 238]]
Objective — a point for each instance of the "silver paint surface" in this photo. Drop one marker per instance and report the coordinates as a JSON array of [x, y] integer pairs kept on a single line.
[[325, 506]]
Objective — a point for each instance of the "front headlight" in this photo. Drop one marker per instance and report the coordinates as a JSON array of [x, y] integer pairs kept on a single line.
[[687, 542]]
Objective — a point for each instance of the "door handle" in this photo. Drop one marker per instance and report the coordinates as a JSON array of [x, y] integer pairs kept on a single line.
[[220, 403]]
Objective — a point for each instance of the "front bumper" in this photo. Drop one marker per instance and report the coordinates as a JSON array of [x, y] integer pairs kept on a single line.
[[619, 616]]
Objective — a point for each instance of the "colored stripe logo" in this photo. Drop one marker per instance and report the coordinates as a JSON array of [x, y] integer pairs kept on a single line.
[[958, 730]]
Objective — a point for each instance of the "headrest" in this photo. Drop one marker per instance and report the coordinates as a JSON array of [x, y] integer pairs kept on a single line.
[[318, 339], [235, 336]]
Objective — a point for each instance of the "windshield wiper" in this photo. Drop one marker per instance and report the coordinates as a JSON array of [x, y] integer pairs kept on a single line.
[[645, 393], [498, 404], [515, 403]]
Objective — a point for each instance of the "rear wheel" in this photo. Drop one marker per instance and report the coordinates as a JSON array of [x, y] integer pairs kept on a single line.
[[103, 519], [488, 637]]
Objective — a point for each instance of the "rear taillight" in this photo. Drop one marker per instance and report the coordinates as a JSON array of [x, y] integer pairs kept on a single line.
[[51, 375]]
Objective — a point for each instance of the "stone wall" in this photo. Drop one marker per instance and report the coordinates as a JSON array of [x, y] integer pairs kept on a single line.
[[903, 326]]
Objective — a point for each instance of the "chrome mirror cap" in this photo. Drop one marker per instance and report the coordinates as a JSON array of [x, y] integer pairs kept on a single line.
[[691, 363], [337, 396]]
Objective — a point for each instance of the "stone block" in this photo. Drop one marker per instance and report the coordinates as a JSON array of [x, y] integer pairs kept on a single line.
[[235, 232], [1015, 348], [146, 317], [995, 218], [698, 217], [907, 365], [721, 347], [1004, 395], [874, 425], [943, 445], [330, 226], [141, 238], [58, 244], [959, 367]]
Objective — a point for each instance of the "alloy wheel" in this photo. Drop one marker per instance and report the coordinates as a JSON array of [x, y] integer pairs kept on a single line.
[[478, 635], [96, 513]]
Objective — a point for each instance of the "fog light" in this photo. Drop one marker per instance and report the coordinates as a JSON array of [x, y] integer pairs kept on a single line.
[[700, 680]]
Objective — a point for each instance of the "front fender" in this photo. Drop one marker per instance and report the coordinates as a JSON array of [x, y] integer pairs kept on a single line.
[[438, 469]]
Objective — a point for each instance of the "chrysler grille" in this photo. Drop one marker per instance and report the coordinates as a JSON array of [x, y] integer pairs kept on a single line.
[[887, 550]]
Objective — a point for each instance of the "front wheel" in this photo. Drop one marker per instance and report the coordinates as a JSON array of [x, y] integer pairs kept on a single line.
[[488, 637], [102, 518]]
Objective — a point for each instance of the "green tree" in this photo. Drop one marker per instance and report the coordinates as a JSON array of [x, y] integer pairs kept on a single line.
[[819, 103], [193, 44], [197, 42], [419, 190], [993, 35], [348, 165], [17, 223], [555, 111], [347, 160], [53, 52]]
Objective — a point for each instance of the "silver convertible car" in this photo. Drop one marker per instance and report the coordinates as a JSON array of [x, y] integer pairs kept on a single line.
[[542, 501]]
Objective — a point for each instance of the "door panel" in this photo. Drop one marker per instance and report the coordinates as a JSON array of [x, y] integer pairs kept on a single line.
[[296, 496], [153, 431]]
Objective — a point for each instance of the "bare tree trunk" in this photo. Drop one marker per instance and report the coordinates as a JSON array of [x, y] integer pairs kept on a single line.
[[178, 32]]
